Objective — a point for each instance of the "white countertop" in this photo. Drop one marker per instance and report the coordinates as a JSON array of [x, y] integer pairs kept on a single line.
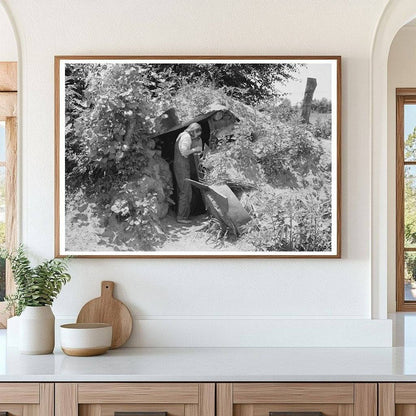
[[214, 364]]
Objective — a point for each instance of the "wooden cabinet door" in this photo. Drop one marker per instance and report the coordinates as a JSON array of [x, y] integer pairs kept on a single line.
[[397, 399], [297, 399], [152, 399], [27, 399]]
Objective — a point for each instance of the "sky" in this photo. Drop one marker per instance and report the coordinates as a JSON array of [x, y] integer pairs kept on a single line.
[[409, 119], [296, 88], [2, 141]]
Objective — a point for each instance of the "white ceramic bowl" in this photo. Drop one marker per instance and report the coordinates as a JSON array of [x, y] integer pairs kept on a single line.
[[83, 340]]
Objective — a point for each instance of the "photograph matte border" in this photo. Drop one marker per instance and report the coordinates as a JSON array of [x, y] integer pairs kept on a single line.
[[59, 188]]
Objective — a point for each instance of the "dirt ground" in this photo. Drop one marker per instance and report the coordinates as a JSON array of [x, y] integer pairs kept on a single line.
[[180, 237], [195, 237]]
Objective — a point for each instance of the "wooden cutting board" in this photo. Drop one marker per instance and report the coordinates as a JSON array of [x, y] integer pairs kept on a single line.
[[107, 309]]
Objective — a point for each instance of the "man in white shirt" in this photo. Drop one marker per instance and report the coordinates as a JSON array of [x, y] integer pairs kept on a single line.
[[187, 143]]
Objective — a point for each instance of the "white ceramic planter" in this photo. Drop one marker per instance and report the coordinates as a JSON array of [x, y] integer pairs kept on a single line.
[[37, 330]]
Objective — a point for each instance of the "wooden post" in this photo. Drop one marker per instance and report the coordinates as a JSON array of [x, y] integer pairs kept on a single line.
[[307, 99]]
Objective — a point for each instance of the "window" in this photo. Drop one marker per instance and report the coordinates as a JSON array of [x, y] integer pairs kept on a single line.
[[2, 206], [8, 171], [406, 199]]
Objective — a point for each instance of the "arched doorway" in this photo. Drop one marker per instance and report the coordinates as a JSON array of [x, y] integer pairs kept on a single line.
[[396, 14]]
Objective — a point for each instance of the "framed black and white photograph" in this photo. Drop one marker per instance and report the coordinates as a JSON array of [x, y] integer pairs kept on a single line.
[[198, 156]]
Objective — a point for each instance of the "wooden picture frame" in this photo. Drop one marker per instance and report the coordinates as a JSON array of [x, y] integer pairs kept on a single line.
[[308, 231]]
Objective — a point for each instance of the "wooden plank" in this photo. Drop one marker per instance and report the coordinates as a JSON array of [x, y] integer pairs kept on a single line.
[[90, 410], [224, 399], [138, 393], [405, 393], [31, 410], [386, 399], [8, 76], [47, 399], [8, 104], [345, 410], [247, 410], [293, 393], [207, 399], [405, 91], [365, 403], [23, 393], [66, 399], [190, 410], [405, 410]]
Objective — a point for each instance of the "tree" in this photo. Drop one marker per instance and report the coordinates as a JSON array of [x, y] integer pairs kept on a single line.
[[410, 146], [410, 191], [247, 82], [322, 105], [410, 207], [109, 152]]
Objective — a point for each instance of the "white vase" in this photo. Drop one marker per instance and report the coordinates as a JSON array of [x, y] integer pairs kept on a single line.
[[37, 330]]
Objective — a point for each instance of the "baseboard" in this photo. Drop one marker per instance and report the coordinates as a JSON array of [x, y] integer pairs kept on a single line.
[[253, 332]]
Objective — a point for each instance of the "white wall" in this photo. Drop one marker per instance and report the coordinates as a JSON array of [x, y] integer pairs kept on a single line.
[[8, 47], [401, 74], [181, 301]]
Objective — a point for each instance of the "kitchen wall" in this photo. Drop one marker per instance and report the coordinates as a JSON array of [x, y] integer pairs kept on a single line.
[[209, 302], [401, 74]]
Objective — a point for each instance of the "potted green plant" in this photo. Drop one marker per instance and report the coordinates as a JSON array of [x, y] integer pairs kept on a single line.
[[36, 289]]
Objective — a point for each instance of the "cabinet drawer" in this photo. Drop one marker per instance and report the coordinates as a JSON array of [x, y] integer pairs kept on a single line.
[[153, 399], [297, 399]]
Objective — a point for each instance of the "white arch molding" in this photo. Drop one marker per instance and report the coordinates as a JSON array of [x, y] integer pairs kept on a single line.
[[396, 14]]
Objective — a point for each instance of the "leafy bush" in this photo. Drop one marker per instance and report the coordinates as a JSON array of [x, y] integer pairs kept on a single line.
[[285, 176], [2, 279], [288, 221], [234, 162], [35, 286], [322, 105], [2, 233], [322, 128], [110, 157]]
